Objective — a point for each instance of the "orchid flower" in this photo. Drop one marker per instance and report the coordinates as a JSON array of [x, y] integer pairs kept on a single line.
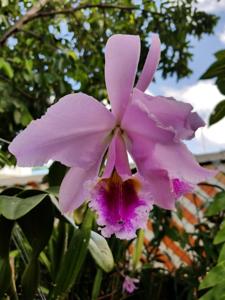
[[129, 284], [84, 135]]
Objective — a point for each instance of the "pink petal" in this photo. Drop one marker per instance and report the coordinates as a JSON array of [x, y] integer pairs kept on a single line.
[[137, 120], [129, 284], [121, 59], [74, 131], [141, 149], [117, 157], [169, 169], [169, 113], [73, 190], [158, 182], [180, 163], [193, 122], [181, 187], [150, 65]]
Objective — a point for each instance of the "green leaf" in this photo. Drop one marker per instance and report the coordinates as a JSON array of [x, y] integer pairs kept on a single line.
[[17, 116], [73, 259], [30, 279], [11, 191], [220, 236], [222, 254], [13, 208], [215, 276], [5, 66], [57, 246], [217, 205], [216, 293], [218, 113], [101, 252], [56, 174], [53, 190], [37, 225], [6, 227], [72, 54], [217, 69], [5, 276], [220, 54], [221, 85]]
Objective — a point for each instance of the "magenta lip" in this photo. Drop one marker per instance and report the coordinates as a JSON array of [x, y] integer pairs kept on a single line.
[[119, 208]]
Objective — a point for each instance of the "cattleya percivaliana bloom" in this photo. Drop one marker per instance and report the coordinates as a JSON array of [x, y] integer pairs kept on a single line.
[[84, 135]]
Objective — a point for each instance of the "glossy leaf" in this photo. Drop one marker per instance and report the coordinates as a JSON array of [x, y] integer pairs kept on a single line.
[[11, 191], [218, 113], [73, 259], [220, 236], [6, 227], [13, 208], [217, 205], [216, 293], [222, 254], [221, 85], [30, 279], [37, 225], [217, 69], [5, 276], [215, 276]]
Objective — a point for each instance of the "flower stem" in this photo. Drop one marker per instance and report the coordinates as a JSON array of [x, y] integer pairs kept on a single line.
[[138, 248], [97, 284]]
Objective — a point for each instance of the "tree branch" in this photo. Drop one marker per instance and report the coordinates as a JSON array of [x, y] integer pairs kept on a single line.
[[35, 12], [22, 92], [28, 16]]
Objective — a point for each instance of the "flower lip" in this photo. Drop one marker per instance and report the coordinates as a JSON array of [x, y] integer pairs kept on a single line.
[[120, 208]]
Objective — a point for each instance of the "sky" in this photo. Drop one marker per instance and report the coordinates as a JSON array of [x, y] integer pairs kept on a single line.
[[202, 94]]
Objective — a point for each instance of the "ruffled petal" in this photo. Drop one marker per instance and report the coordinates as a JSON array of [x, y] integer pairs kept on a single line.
[[169, 169], [180, 163], [121, 206], [117, 157], [137, 120], [73, 190], [121, 60], [74, 131], [170, 114], [150, 65]]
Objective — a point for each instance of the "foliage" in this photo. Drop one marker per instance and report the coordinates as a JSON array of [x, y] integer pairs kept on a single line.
[[49, 50], [217, 70], [60, 264], [55, 259], [215, 277]]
